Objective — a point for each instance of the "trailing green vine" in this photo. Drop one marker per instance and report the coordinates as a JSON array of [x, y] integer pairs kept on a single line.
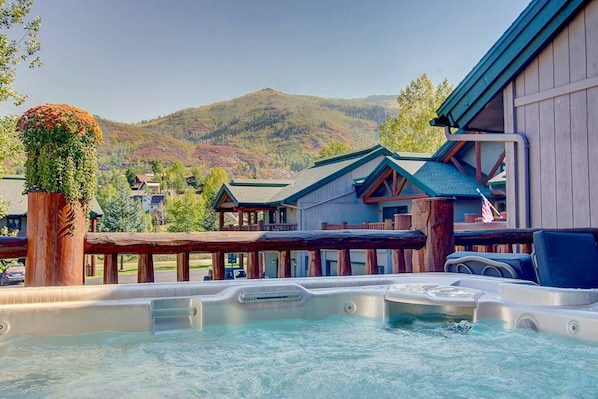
[[60, 141]]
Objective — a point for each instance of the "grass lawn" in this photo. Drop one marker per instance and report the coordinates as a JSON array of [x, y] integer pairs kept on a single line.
[[162, 263]]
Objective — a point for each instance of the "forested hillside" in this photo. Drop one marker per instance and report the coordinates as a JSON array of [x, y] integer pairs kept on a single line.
[[265, 134]]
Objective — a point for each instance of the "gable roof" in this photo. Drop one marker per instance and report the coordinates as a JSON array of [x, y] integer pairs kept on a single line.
[[523, 40], [275, 192], [249, 193], [435, 179], [327, 170]]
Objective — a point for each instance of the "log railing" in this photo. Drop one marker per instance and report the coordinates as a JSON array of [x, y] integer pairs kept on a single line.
[[418, 245], [218, 243]]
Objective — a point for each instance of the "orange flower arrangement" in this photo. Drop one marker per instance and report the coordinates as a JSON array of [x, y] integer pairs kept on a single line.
[[60, 141]]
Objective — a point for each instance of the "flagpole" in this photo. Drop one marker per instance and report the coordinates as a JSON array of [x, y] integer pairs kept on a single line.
[[490, 203]]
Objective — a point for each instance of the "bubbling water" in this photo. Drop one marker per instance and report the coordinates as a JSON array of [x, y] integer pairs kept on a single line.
[[340, 357]]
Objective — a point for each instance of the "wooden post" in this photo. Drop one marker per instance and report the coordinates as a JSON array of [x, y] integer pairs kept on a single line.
[[55, 239], [343, 267], [262, 258], [314, 269], [371, 262], [93, 228], [111, 269], [182, 266], [145, 268], [253, 266], [434, 217], [284, 264], [401, 259], [218, 265], [387, 224]]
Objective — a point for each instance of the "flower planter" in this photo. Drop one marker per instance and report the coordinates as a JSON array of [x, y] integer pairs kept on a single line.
[[55, 239], [60, 141]]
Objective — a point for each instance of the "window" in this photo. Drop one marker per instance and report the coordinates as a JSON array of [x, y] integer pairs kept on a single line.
[[13, 223], [391, 211], [283, 215], [271, 217]]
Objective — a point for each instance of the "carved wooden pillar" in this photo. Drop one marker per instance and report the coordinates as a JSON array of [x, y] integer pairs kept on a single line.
[[435, 218]]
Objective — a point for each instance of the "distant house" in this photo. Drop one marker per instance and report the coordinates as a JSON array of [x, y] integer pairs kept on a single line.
[[371, 185], [400, 179], [322, 193], [12, 187], [535, 94]]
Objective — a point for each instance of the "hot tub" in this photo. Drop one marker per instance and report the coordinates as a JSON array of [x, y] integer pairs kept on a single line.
[[388, 336], [179, 306]]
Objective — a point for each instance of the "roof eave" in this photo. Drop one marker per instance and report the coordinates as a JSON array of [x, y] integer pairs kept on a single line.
[[524, 39]]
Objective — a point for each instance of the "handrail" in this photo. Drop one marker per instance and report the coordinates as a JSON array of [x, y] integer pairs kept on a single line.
[[249, 241]]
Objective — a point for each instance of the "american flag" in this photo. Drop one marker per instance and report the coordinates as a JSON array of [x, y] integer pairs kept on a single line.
[[487, 216]]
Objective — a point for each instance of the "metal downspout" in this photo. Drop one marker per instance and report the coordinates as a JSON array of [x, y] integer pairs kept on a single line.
[[522, 173]]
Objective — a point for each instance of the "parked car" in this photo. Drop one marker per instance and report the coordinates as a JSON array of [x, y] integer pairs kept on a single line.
[[12, 273], [230, 273]]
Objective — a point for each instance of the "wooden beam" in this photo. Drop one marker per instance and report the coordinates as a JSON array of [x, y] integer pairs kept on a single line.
[[253, 265], [401, 186], [478, 162], [371, 262], [459, 167], [495, 167], [377, 184], [284, 264], [111, 269], [373, 200], [182, 266], [218, 265], [314, 269], [343, 267], [145, 268]]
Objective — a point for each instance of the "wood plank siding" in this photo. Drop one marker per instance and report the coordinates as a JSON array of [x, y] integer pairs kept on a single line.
[[336, 201], [555, 104]]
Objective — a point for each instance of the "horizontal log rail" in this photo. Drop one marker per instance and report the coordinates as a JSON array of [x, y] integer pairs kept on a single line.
[[173, 243], [218, 243]]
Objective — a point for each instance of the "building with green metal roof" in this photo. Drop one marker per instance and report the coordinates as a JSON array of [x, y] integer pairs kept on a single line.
[[535, 93]]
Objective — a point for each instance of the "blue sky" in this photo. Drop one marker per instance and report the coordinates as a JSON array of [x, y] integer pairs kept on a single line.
[[129, 60]]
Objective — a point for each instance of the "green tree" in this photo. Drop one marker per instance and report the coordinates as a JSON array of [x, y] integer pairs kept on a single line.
[[123, 214], [212, 183], [410, 131], [175, 177], [185, 212], [16, 46], [11, 148], [334, 148]]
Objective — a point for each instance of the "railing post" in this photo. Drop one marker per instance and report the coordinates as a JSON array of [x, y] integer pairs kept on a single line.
[[371, 262], [387, 224], [110, 268], [344, 263], [434, 217], [145, 268], [182, 266], [314, 269], [284, 264], [253, 266], [401, 259], [218, 265]]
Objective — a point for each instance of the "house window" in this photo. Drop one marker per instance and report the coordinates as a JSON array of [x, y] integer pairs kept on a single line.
[[391, 211], [271, 217], [13, 224], [282, 215]]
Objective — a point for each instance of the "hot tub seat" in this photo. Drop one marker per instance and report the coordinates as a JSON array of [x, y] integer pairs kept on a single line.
[[506, 265]]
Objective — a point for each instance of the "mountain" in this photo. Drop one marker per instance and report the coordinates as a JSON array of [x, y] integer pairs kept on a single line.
[[267, 133]]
